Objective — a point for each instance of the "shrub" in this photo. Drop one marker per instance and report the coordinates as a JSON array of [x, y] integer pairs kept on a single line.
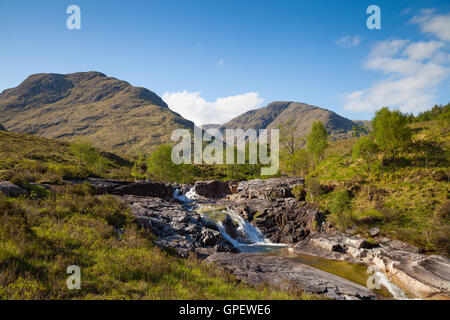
[[313, 188], [340, 206], [299, 192]]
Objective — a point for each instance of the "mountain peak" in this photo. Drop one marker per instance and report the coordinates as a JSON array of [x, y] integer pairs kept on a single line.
[[299, 115], [112, 113]]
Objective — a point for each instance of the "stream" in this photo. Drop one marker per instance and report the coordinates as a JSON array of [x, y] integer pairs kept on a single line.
[[249, 239]]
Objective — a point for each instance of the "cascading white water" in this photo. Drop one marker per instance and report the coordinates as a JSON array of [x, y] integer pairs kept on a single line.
[[252, 239], [395, 291], [258, 243], [183, 198]]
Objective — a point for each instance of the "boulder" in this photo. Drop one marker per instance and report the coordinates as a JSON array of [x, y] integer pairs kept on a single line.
[[144, 189], [374, 232], [327, 244], [230, 227], [212, 188], [10, 189], [268, 189]]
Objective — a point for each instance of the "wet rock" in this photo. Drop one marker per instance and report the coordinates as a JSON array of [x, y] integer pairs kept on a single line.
[[283, 221], [209, 237], [230, 227], [10, 189], [287, 274], [177, 227]]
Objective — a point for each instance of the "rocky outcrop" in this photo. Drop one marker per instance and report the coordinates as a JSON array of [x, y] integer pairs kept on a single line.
[[212, 188], [10, 190], [419, 275], [268, 189], [281, 221], [145, 189], [286, 274], [120, 188], [177, 227], [270, 206]]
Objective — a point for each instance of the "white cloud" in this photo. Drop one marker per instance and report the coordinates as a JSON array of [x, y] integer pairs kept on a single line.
[[422, 50], [221, 62], [192, 106], [436, 24], [349, 41], [413, 70]]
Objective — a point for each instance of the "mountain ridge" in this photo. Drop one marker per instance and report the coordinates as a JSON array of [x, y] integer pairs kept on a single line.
[[111, 113], [299, 115]]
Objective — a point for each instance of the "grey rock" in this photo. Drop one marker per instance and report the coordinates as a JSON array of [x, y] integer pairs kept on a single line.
[[10, 190], [286, 274], [374, 232], [177, 227], [212, 188], [422, 276]]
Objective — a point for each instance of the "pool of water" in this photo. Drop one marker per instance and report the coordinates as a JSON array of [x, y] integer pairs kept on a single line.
[[251, 240], [351, 271]]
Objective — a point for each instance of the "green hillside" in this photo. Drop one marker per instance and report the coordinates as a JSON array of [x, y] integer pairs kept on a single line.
[[110, 113], [407, 199], [27, 158], [44, 231]]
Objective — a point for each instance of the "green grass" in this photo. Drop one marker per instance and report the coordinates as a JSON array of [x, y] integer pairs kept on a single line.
[[44, 232], [25, 158], [408, 201], [40, 238]]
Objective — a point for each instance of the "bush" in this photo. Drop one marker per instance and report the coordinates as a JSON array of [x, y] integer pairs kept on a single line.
[[313, 188], [340, 207], [299, 192]]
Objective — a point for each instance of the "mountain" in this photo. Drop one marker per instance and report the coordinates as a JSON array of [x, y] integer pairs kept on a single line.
[[209, 126], [299, 115], [111, 113], [2, 128]]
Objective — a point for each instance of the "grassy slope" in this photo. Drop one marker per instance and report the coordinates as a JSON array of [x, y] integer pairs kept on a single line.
[[108, 112], [28, 158], [409, 203], [43, 233]]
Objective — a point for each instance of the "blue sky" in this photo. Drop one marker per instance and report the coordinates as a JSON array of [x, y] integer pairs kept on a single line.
[[212, 60]]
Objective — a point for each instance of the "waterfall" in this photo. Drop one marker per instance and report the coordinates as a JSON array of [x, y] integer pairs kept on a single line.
[[251, 240], [396, 292], [250, 237], [183, 198]]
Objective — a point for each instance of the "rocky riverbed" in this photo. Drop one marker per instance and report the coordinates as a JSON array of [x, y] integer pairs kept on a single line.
[[259, 232]]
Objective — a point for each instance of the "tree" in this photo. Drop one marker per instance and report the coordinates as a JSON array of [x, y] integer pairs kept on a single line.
[[444, 119], [365, 149], [289, 142], [317, 140], [297, 164], [391, 132], [358, 131], [161, 167], [88, 155]]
